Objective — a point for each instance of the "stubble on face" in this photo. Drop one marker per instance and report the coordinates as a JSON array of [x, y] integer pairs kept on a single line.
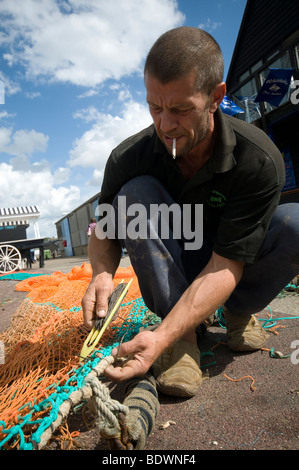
[[197, 135]]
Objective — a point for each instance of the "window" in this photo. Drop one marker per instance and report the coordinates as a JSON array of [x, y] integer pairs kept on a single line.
[[270, 57], [247, 90], [283, 62], [250, 71], [244, 98], [244, 75], [256, 66]]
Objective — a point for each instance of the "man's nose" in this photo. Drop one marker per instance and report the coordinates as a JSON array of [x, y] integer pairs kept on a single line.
[[168, 122]]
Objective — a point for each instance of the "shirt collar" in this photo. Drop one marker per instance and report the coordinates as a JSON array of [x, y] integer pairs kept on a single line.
[[223, 158]]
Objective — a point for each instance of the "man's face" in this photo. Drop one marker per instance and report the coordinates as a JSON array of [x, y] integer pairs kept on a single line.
[[178, 112]]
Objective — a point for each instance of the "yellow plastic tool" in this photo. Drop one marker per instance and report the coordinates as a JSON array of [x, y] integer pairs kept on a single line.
[[95, 335]]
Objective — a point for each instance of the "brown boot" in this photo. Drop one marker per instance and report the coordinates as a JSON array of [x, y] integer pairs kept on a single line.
[[177, 370], [244, 333]]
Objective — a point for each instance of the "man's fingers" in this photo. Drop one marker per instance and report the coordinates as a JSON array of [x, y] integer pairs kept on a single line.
[[124, 350], [102, 295], [131, 369], [140, 356], [88, 307], [95, 300], [101, 313], [118, 374]]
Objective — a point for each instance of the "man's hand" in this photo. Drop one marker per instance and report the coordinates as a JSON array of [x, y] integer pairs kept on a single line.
[[142, 351], [95, 300]]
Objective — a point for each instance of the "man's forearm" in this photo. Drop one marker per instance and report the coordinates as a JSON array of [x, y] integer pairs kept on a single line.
[[202, 298], [104, 255]]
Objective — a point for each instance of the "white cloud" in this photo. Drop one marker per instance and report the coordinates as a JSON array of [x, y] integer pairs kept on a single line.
[[10, 87], [62, 175], [88, 93], [83, 43], [6, 115], [5, 137], [32, 94], [22, 142], [209, 26], [96, 178], [33, 187], [24, 183], [96, 144], [87, 114]]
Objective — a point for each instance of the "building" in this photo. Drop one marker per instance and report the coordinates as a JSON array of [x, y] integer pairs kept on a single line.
[[14, 222], [269, 39], [72, 229]]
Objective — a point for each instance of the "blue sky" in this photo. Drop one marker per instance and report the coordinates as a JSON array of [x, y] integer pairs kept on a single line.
[[72, 73]]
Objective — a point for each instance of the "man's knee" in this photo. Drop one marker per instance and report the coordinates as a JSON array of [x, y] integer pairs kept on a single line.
[[286, 220], [283, 234], [138, 186]]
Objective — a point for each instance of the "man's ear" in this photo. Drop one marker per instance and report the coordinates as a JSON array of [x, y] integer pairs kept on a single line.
[[217, 96]]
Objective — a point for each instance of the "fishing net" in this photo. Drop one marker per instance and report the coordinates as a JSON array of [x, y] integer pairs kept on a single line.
[[42, 370]]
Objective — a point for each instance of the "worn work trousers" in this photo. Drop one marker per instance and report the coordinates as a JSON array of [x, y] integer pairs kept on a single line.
[[165, 269]]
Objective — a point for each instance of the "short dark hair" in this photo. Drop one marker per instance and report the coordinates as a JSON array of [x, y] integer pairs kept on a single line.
[[183, 50]]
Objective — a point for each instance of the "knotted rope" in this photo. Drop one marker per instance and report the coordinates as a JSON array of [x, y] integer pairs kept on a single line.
[[106, 409], [83, 393], [135, 418], [128, 425]]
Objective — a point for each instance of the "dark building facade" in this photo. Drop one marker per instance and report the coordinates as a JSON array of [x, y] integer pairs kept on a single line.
[[269, 39]]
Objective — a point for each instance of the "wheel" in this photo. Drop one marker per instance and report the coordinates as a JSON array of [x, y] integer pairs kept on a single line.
[[10, 258]]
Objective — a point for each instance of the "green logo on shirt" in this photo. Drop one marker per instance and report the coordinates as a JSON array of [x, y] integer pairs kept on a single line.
[[216, 199]]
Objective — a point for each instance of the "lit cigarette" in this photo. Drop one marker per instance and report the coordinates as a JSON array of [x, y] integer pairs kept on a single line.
[[174, 149]]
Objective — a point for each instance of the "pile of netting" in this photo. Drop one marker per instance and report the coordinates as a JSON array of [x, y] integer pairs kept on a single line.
[[42, 377]]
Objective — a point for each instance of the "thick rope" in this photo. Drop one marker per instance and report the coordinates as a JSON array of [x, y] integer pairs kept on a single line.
[[84, 393], [140, 408], [107, 410]]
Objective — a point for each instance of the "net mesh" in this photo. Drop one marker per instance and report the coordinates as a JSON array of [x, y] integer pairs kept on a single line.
[[42, 348]]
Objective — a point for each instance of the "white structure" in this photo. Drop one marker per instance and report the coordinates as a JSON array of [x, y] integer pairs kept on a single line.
[[15, 216]]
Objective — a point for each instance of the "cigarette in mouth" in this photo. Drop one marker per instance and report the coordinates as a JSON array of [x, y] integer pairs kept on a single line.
[[174, 148]]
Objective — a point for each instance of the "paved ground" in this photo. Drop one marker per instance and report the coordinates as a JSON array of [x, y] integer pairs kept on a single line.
[[224, 415]]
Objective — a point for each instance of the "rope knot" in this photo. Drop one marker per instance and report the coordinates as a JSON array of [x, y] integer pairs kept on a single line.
[[106, 409]]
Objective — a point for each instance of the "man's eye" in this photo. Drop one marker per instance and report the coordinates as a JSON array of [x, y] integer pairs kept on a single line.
[[154, 109], [183, 111]]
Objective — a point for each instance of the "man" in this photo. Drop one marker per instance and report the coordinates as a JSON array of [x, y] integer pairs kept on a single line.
[[237, 173]]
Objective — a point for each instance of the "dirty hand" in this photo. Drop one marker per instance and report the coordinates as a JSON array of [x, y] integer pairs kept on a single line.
[[95, 300], [142, 351]]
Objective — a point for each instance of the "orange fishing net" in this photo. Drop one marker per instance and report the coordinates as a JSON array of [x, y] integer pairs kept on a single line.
[[42, 348]]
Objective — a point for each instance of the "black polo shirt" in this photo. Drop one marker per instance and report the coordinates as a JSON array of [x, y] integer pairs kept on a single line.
[[239, 185]]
